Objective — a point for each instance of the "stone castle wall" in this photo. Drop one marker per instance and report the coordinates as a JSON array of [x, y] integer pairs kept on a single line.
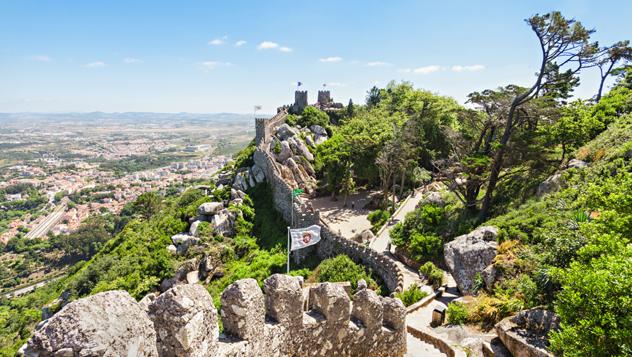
[[183, 322], [264, 126], [331, 243]]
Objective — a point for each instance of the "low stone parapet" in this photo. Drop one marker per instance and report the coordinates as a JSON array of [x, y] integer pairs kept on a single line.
[[183, 322]]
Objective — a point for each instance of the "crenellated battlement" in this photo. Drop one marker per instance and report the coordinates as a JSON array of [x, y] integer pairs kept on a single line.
[[324, 98], [264, 127], [256, 323]]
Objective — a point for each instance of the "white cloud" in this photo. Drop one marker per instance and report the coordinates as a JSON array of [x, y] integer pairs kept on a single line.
[[471, 68], [240, 43], [378, 64], [404, 70], [218, 41], [269, 45], [331, 59], [211, 65], [427, 69], [132, 60], [95, 64], [41, 58]]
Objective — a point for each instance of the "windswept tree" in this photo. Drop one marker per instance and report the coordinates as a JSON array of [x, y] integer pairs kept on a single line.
[[373, 97], [565, 50], [609, 57]]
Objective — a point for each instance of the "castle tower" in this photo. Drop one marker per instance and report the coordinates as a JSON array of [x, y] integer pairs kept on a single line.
[[300, 101], [324, 98]]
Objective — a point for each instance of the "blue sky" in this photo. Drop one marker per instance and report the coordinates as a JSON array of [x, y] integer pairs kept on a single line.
[[226, 56]]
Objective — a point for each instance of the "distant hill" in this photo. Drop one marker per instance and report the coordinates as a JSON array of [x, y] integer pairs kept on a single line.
[[126, 117]]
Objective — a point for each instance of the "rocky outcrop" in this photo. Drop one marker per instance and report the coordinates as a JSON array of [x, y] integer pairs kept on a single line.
[[182, 242], [183, 322], [364, 236], [224, 223], [556, 181], [210, 208], [525, 334], [551, 184], [576, 164], [111, 323], [284, 132], [470, 254]]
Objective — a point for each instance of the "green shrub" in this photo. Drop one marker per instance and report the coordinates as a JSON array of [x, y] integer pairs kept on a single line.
[[594, 306], [457, 313], [432, 274], [244, 157], [411, 295], [420, 232], [425, 246], [342, 268], [378, 218], [313, 116]]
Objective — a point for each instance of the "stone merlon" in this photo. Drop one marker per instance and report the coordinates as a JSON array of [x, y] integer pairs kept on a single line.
[[184, 322]]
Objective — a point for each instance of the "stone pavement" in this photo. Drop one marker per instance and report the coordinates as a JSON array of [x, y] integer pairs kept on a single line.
[[381, 242], [419, 348]]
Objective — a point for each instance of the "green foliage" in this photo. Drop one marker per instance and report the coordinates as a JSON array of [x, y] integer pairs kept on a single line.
[[244, 157], [457, 313], [432, 274], [313, 116], [291, 119], [418, 233], [378, 219], [277, 147], [342, 268], [594, 305], [615, 142], [411, 295]]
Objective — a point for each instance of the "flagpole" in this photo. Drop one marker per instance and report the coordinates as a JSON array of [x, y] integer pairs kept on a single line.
[[288, 249]]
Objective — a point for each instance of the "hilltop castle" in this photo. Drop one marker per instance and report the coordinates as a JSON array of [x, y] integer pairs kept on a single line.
[[324, 102]]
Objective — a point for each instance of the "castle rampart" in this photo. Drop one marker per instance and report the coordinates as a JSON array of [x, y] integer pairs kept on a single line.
[[183, 322], [332, 243]]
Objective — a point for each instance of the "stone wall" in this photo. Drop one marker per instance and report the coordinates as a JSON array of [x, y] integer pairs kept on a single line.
[[183, 322], [265, 126], [331, 243]]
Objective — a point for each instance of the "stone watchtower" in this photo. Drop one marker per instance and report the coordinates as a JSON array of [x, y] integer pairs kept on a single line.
[[300, 101], [324, 98]]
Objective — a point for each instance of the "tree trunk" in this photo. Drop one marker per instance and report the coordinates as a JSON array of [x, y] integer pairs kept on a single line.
[[401, 187], [498, 160], [472, 188]]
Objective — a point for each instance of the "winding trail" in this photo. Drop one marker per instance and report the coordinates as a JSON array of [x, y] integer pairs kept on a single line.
[[382, 242]]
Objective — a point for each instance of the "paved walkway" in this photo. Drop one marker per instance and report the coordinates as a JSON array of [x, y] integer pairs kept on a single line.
[[381, 242], [346, 220], [419, 348]]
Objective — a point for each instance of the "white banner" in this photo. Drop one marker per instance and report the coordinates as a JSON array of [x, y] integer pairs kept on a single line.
[[304, 237]]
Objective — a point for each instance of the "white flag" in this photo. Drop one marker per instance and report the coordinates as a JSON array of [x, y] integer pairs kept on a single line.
[[304, 237]]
